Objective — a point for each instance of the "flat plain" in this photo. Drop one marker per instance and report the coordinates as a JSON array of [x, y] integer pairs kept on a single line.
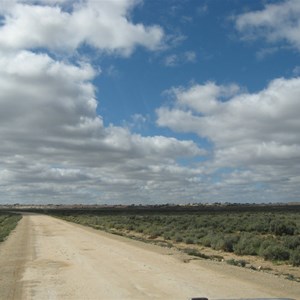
[[48, 258]]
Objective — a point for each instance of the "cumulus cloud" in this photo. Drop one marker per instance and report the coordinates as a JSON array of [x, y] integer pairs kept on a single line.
[[104, 25], [54, 145], [52, 137], [277, 22], [56, 148], [249, 131], [204, 98], [38, 90]]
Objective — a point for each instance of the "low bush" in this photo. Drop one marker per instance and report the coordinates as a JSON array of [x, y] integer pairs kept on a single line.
[[195, 252], [282, 227], [189, 240], [178, 238], [291, 242], [234, 262], [295, 257], [276, 252], [227, 243], [248, 244]]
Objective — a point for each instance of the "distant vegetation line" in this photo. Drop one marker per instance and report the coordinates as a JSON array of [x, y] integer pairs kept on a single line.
[[8, 222], [273, 234]]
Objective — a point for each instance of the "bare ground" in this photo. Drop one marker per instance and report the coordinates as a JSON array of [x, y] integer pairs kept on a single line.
[[47, 258]]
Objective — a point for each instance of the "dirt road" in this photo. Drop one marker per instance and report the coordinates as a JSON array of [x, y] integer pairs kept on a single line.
[[47, 258]]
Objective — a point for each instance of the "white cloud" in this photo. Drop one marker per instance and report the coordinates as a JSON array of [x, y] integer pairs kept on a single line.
[[56, 148], [173, 60], [277, 22], [105, 25], [243, 115], [257, 132], [52, 137], [54, 145], [204, 98]]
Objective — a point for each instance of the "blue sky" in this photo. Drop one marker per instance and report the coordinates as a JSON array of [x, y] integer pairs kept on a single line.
[[135, 85], [129, 101]]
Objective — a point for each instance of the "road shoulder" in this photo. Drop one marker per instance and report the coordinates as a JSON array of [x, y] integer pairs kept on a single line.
[[15, 251]]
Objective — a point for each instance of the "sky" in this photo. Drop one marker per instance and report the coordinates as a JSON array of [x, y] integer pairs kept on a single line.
[[149, 101]]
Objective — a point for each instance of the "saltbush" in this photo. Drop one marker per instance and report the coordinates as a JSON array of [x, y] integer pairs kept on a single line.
[[277, 252], [282, 227], [248, 244], [295, 257]]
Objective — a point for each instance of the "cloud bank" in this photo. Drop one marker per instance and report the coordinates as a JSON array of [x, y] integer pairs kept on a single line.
[[255, 136], [54, 146]]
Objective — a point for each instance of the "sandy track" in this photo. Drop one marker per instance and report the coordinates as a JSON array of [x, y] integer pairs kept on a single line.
[[47, 258]]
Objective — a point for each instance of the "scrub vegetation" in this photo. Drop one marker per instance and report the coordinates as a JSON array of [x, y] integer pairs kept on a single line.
[[8, 222], [273, 235]]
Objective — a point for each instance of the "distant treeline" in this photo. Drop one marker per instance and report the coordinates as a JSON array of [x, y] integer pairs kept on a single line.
[[169, 208]]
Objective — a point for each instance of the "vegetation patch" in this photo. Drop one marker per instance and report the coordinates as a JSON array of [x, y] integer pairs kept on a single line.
[[195, 252], [272, 235], [8, 222], [235, 262]]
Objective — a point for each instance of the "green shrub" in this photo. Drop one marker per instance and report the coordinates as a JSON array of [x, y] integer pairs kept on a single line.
[[167, 235], [189, 240], [240, 263], [295, 257], [195, 252], [291, 242], [206, 241], [178, 239], [275, 253], [217, 241], [282, 227], [248, 244], [227, 243]]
